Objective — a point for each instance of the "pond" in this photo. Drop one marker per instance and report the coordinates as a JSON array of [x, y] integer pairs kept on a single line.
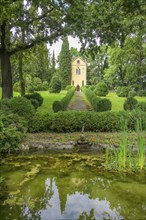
[[68, 187]]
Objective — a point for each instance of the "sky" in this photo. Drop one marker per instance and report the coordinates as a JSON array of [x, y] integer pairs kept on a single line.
[[73, 42]]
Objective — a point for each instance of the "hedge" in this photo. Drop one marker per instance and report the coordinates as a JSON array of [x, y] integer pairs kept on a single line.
[[99, 104], [62, 105], [92, 121]]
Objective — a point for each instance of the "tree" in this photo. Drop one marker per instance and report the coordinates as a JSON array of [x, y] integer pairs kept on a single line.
[[41, 21], [65, 63]]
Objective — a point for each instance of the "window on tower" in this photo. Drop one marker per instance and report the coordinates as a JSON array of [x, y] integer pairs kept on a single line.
[[78, 71]]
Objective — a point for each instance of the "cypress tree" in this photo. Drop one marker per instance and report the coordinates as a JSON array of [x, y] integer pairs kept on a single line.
[[65, 63]]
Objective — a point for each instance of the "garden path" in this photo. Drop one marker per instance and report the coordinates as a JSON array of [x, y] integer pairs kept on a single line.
[[79, 103]]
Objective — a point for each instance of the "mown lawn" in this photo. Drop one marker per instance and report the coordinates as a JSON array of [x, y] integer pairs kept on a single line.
[[117, 102], [49, 98]]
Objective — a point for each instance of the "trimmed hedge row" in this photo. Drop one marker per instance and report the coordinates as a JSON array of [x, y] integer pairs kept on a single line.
[[99, 104], [62, 105], [93, 121]]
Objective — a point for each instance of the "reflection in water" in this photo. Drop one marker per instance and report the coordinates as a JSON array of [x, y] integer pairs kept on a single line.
[[58, 189]]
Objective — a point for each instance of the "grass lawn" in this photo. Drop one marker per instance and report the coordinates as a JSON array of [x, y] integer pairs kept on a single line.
[[117, 102], [49, 98]]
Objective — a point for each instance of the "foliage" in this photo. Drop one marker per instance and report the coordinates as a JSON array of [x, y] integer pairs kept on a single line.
[[62, 105], [65, 63], [101, 89], [68, 87], [20, 106], [16, 87], [45, 86], [12, 129], [57, 106], [131, 93], [55, 84], [99, 104], [122, 91], [67, 121], [141, 106], [142, 93], [130, 103], [35, 103], [36, 96]]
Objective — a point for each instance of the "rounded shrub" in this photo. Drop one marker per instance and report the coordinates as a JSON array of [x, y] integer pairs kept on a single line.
[[55, 84], [130, 103], [57, 106], [103, 105], [92, 87], [22, 107], [141, 106], [131, 93], [36, 96], [122, 91], [101, 89], [142, 93], [35, 103], [45, 85]]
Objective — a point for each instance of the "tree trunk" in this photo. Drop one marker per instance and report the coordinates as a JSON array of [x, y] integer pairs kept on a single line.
[[7, 88], [22, 83]]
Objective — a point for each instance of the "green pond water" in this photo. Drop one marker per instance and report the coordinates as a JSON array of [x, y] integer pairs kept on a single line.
[[68, 187]]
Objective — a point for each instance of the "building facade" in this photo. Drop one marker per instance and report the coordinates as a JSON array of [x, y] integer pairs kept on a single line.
[[79, 73]]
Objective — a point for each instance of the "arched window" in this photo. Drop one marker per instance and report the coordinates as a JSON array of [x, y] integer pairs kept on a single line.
[[78, 71], [73, 82], [78, 61], [83, 83]]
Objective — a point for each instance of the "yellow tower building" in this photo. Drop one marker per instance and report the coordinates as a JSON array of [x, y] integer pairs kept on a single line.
[[79, 72]]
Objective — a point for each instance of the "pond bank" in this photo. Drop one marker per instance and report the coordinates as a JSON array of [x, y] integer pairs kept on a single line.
[[39, 142]]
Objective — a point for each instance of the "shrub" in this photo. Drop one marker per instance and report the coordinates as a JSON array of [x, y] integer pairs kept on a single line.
[[16, 87], [101, 89], [62, 105], [55, 84], [68, 87], [141, 106], [142, 93], [57, 106], [98, 103], [36, 96], [12, 129], [71, 121], [22, 107], [45, 86], [102, 105], [41, 122], [92, 87], [130, 103], [122, 91], [131, 93], [35, 103]]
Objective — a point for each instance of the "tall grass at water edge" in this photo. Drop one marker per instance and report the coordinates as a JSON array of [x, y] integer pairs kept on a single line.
[[122, 158]]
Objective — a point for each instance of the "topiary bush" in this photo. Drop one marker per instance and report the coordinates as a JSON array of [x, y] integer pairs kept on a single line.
[[35, 103], [98, 103], [102, 105], [142, 93], [122, 91], [141, 106], [57, 106], [101, 89], [36, 96], [22, 107], [130, 103], [131, 93], [55, 84]]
